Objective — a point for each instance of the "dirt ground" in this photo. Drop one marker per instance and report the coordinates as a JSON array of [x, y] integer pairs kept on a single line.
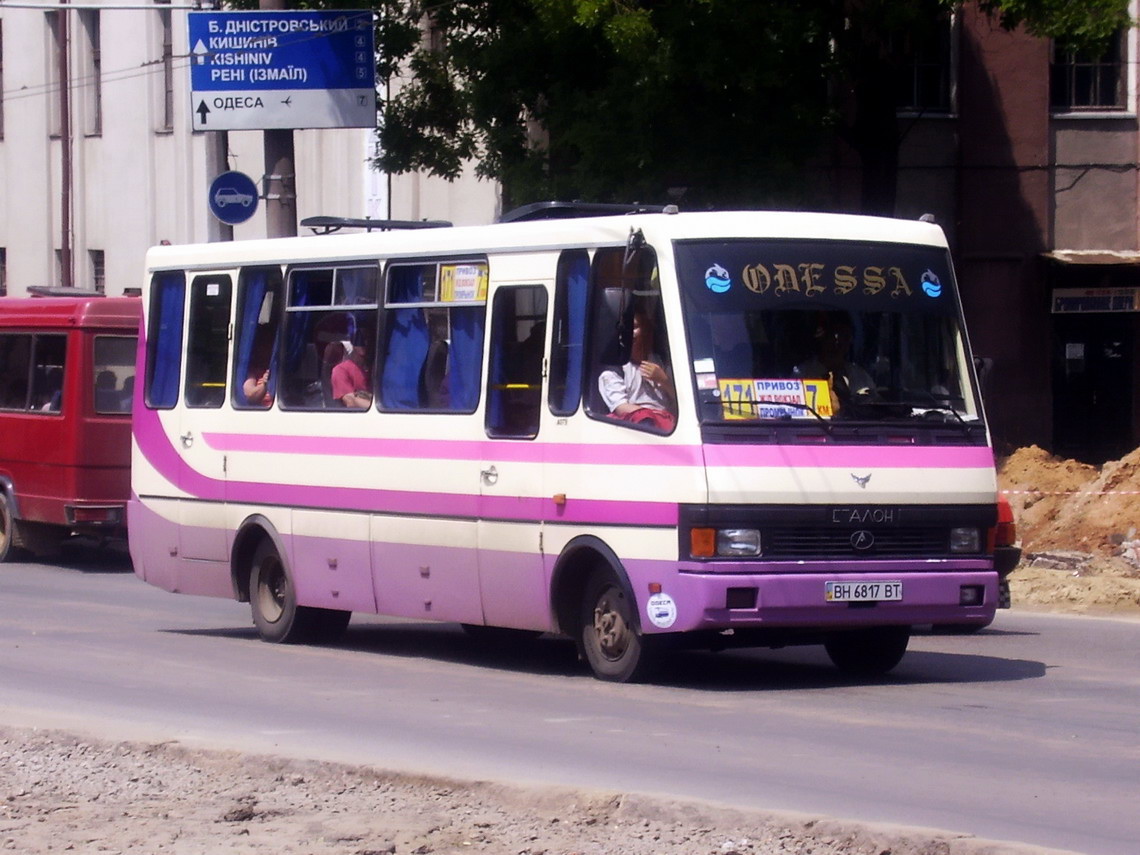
[[62, 793], [1079, 527]]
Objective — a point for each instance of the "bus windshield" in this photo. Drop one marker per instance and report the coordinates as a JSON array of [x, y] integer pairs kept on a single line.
[[812, 330]]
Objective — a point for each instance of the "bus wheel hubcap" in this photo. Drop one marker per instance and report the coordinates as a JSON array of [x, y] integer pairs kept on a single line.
[[610, 626]]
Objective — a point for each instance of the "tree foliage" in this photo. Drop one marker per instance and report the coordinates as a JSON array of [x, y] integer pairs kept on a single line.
[[720, 102]]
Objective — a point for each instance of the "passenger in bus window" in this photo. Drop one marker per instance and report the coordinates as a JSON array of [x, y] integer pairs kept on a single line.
[[127, 394], [53, 390], [106, 395], [256, 388], [643, 392], [350, 382]]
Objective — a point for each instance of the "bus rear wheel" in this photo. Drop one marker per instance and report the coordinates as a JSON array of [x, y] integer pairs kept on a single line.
[[868, 652], [613, 647], [273, 601]]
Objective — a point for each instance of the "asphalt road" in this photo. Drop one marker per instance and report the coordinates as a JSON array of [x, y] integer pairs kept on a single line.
[[1028, 731]]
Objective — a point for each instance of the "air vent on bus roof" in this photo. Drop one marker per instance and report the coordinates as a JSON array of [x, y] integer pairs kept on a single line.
[[327, 225], [61, 291], [567, 210]]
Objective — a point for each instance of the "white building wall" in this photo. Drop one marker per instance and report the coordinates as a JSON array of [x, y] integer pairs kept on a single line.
[[136, 184]]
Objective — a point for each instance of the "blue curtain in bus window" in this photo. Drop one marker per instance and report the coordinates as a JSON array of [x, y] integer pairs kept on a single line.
[[466, 357], [577, 289], [167, 307], [256, 283], [408, 339], [299, 324], [407, 350]]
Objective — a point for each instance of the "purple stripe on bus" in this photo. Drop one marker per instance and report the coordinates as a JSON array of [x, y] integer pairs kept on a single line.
[[889, 457], [160, 453], [448, 449]]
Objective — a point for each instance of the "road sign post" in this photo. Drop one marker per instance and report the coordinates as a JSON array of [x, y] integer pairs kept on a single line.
[[264, 70]]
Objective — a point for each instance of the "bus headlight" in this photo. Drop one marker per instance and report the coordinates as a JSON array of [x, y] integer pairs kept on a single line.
[[965, 540], [737, 542], [724, 542]]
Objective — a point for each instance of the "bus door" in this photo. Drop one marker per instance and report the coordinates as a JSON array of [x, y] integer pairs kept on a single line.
[[511, 579], [202, 469]]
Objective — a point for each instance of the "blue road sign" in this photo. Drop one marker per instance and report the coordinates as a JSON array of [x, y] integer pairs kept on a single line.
[[233, 197], [260, 70]]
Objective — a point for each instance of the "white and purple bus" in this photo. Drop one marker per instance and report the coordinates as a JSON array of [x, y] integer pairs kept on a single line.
[[639, 430]]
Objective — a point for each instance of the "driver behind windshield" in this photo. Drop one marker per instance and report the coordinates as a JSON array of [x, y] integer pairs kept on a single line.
[[846, 380]]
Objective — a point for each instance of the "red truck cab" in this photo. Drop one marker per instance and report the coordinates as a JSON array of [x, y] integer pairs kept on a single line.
[[67, 367]]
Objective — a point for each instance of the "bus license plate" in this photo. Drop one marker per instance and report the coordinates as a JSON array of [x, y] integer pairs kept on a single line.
[[862, 592]]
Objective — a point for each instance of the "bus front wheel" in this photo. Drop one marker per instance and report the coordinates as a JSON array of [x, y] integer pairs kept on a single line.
[[273, 601], [868, 652], [614, 649]]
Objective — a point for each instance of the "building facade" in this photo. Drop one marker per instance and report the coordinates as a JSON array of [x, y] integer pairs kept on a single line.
[[1029, 158], [98, 168]]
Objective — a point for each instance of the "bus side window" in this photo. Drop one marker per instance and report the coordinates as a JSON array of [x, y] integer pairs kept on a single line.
[[571, 292], [114, 373], [431, 355], [630, 373], [255, 356], [164, 339], [514, 381], [15, 357], [330, 316], [207, 347]]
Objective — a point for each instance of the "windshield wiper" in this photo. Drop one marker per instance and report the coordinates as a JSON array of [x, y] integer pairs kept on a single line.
[[940, 405]]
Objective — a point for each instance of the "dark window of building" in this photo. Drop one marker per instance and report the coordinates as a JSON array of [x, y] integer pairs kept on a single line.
[[1, 82], [925, 62], [3, 271], [92, 81], [56, 29], [1085, 80], [98, 270], [166, 111]]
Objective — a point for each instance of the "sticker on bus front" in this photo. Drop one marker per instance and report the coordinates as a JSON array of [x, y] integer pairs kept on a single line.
[[662, 611]]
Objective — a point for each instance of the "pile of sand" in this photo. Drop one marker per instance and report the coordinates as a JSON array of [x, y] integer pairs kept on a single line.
[[1079, 527]]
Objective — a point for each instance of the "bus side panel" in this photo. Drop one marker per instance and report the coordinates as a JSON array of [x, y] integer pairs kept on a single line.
[[154, 527], [331, 560], [514, 589], [104, 447], [426, 568], [37, 453]]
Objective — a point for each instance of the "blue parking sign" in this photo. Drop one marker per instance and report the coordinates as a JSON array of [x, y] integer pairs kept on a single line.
[[233, 197]]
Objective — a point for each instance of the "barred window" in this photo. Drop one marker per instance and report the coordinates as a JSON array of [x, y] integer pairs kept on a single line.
[[1083, 80]]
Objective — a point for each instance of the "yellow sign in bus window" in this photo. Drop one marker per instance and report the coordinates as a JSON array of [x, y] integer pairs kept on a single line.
[[749, 398], [461, 283]]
